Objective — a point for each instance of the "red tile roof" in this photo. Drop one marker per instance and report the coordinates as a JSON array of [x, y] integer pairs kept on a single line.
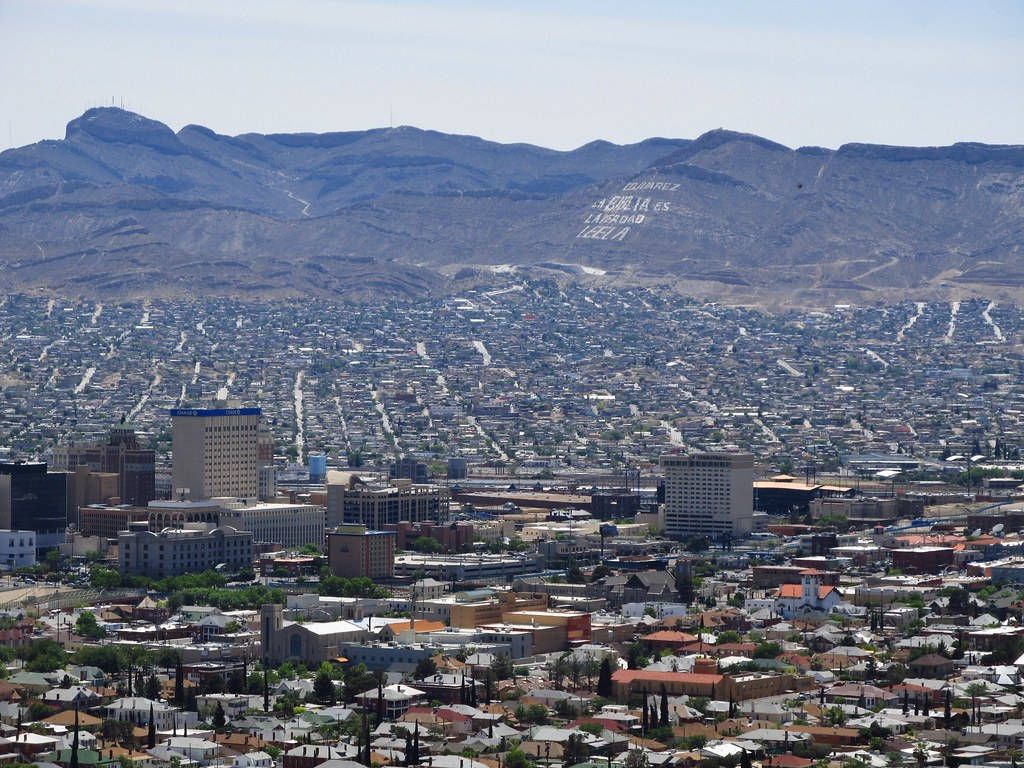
[[627, 676], [796, 591], [786, 760], [669, 636]]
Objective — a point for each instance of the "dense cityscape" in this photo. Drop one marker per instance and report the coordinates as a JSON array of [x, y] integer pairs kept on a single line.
[[528, 379], [531, 526], [449, 384]]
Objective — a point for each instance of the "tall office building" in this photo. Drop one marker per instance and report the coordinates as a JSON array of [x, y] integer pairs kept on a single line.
[[266, 470], [121, 454], [708, 494], [32, 499], [215, 452]]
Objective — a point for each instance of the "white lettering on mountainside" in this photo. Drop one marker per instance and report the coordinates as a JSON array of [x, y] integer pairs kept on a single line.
[[613, 218]]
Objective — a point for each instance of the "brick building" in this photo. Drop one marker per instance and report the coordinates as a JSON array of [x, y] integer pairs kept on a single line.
[[122, 455], [353, 550], [922, 559], [107, 521], [452, 536]]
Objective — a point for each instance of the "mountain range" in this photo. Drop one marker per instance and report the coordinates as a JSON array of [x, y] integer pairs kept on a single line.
[[124, 206]]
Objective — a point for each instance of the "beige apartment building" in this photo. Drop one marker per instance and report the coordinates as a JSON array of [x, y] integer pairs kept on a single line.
[[215, 452], [708, 494]]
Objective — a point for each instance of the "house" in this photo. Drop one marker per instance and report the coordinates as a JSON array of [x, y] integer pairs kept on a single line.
[[68, 698], [311, 755], [642, 587], [34, 682], [103, 758], [666, 638], [860, 694], [234, 704], [396, 699], [931, 665], [449, 688], [136, 709], [66, 719], [252, 760], [29, 745], [200, 751]]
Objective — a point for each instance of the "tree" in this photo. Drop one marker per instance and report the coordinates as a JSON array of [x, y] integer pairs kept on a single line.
[[167, 658], [767, 650], [105, 657], [43, 656], [575, 751], [179, 683], [73, 763], [604, 679], [119, 731], [835, 716], [104, 578], [502, 667], [696, 544], [337, 586], [425, 668], [684, 586], [236, 682], [323, 686], [663, 721], [153, 688], [218, 716], [575, 576], [426, 545], [358, 680], [636, 656], [517, 758], [266, 690], [212, 684], [151, 735], [594, 729], [87, 626], [37, 710], [636, 758]]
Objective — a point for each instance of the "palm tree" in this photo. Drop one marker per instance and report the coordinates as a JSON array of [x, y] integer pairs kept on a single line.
[[920, 754]]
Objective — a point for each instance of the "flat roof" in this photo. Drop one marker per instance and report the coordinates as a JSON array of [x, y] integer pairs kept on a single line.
[[202, 412]]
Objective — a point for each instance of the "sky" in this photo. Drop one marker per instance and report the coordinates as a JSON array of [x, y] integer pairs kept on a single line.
[[548, 72]]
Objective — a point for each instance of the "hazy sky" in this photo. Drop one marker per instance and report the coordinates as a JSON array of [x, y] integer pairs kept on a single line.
[[553, 73]]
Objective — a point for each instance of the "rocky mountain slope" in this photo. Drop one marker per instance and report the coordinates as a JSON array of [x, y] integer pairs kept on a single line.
[[125, 206]]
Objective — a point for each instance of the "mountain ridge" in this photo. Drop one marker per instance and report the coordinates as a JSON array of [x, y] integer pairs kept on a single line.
[[125, 205]]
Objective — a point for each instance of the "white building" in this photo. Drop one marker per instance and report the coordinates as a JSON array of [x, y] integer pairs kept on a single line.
[[258, 759], [215, 452], [235, 705], [397, 699], [17, 549], [809, 596], [200, 751], [288, 525], [708, 494], [135, 709]]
